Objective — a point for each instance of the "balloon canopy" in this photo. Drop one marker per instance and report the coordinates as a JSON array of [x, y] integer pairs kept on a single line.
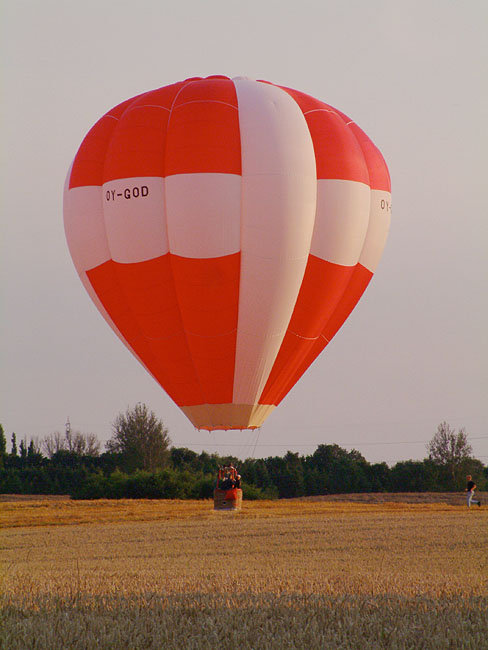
[[225, 229]]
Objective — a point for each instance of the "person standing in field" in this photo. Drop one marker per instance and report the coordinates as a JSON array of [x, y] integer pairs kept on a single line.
[[470, 488]]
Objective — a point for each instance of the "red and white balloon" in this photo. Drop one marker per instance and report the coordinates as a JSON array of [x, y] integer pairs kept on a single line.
[[225, 229]]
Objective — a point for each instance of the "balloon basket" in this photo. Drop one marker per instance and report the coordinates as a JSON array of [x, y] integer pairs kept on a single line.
[[228, 499]]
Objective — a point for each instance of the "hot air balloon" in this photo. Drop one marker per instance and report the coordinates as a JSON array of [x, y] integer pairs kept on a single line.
[[225, 229]]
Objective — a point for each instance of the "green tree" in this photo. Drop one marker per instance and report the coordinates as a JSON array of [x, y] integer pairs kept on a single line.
[[34, 456], [23, 451], [450, 450], [3, 447], [379, 477], [415, 476], [13, 442], [182, 457], [477, 470], [340, 470], [140, 438]]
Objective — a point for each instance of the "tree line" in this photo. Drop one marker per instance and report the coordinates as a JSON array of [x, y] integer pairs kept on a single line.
[[140, 462]]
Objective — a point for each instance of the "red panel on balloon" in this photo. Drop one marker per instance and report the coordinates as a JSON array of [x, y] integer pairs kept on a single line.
[[359, 281], [138, 143], [208, 298], [90, 160], [355, 289], [337, 151], [379, 176], [180, 316], [165, 355], [322, 289], [203, 130]]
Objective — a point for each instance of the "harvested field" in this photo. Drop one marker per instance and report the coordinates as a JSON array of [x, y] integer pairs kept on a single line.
[[450, 498], [286, 574]]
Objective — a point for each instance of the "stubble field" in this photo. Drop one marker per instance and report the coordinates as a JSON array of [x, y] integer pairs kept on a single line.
[[300, 574]]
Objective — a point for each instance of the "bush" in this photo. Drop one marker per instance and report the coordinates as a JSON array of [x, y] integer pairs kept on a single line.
[[203, 487], [253, 493], [95, 486]]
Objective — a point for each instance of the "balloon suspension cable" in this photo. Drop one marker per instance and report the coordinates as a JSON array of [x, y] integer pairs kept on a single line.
[[258, 431]]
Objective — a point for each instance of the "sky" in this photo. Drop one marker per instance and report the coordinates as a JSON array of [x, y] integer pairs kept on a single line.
[[411, 73]]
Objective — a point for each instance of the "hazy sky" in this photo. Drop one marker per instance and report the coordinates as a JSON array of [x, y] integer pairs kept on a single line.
[[413, 74]]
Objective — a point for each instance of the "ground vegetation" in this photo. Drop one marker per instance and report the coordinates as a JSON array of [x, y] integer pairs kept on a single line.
[[283, 574], [144, 465]]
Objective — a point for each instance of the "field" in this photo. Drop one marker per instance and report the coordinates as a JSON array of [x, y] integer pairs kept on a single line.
[[133, 575]]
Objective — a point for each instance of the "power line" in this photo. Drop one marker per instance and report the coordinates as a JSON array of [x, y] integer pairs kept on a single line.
[[312, 444]]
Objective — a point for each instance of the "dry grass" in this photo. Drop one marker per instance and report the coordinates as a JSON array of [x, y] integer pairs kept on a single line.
[[47, 511], [175, 575]]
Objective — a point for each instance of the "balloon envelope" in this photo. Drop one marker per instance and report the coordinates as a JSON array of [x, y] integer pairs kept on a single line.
[[225, 229]]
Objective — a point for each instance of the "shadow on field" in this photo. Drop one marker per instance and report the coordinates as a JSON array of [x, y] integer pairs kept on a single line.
[[449, 498], [246, 621], [20, 498]]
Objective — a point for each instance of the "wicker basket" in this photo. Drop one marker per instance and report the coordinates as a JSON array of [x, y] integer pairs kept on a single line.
[[228, 499]]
